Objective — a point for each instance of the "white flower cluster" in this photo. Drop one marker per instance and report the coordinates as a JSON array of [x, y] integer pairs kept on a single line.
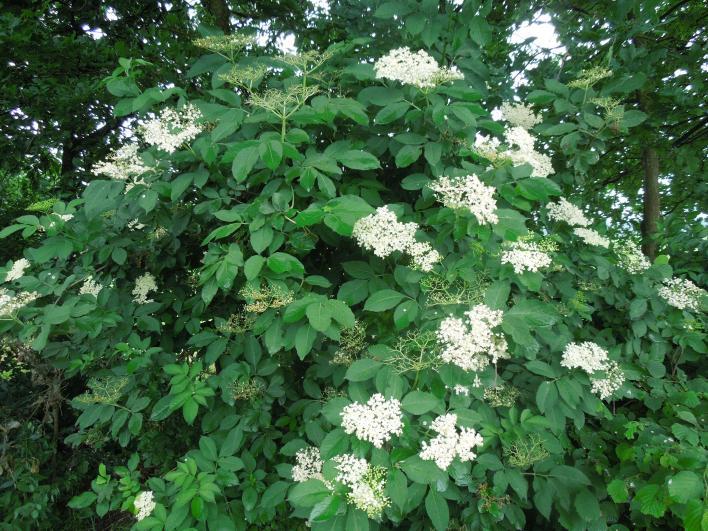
[[566, 211], [630, 257], [144, 284], [414, 68], [681, 293], [172, 128], [367, 484], [592, 358], [17, 270], [525, 153], [587, 356], [487, 146], [90, 287], [592, 237], [145, 504], [448, 443], [467, 193], [519, 114], [525, 256], [382, 233], [376, 421], [10, 303], [308, 464], [613, 380], [461, 390], [471, 343], [123, 164]]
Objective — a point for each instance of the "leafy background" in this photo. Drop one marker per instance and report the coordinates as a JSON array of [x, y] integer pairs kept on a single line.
[[104, 397]]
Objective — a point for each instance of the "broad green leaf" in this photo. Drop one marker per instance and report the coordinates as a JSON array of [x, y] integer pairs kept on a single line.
[[383, 300], [362, 370], [437, 509], [419, 402], [271, 152], [358, 160]]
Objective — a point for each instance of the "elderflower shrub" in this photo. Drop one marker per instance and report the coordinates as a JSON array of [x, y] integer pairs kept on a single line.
[[356, 321]]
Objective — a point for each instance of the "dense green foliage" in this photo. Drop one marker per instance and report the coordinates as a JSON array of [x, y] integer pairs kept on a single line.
[[268, 319]]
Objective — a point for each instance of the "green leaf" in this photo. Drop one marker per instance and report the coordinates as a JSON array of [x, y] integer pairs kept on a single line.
[[383, 300], [82, 500], [617, 489], [419, 402], [271, 153], [437, 509], [359, 160], [684, 486], [637, 308], [362, 370], [651, 500], [633, 118], [343, 212], [335, 442], [320, 315], [274, 495], [308, 493], [356, 520], [546, 396], [432, 153], [391, 113], [569, 476], [510, 225], [497, 294], [285, 263], [560, 129], [253, 266], [341, 313], [407, 155], [587, 506], [243, 162]]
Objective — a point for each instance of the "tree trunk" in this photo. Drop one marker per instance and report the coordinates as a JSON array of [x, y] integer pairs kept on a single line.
[[650, 163], [220, 11]]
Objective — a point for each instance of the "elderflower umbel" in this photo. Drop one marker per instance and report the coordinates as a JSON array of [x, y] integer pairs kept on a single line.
[[382, 233], [487, 146], [566, 211], [525, 256], [471, 343], [144, 284], [681, 293], [630, 257], [587, 356], [308, 464], [10, 303], [592, 237], [366, 482], [172, 128], [461, 390], [525, 153], [613, 380], [448, 443], [468, 193], [90, 287], [519, 114], [414, 68], [123, 164], [145, 504], [17, 270], [592, 358], [376, 421]]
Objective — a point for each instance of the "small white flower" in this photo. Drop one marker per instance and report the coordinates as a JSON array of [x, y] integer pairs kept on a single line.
[[519, 114], [172, 128], [17, 270], [588, 356], [449, 444], [414, 68], [467, 193], [566, 211], [11, 303], [592, 237], [144, 284], [525, 256], [91, 287], [376, 421], [145, 504], [630, 257], [681, 293], [123, 164], [308, 464]]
